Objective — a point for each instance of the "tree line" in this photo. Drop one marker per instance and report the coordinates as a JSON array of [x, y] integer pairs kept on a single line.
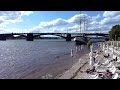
[[114, 33]]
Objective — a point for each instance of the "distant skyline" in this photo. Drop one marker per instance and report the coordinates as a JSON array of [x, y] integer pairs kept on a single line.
[[57, 21]]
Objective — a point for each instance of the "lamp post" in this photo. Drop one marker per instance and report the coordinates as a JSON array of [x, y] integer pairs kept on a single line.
[[115, 38], [117, 45], [113, 47]]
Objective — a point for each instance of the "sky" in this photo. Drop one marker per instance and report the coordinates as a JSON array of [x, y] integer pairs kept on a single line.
[[58, 21]]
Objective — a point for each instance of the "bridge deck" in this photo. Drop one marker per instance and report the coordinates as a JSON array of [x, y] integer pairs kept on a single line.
[[58, 33]]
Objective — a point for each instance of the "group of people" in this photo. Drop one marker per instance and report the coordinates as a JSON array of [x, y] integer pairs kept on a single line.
[[93, 56], [95, 64], [77, 49]]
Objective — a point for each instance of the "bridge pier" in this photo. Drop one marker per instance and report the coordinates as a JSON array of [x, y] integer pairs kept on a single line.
[[30, 37], [68, 37], [3, 37]]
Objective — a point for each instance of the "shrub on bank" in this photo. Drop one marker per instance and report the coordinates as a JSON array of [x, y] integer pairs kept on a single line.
[[109, 44], [89, 44]]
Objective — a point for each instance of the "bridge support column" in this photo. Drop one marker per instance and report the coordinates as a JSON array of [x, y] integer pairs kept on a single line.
[[30, 37], [3, 37], [68, 37]]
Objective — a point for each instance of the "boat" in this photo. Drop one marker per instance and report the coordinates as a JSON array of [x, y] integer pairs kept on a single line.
[[79, 40]]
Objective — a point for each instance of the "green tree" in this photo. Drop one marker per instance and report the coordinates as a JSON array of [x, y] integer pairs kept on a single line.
[[114, 33]]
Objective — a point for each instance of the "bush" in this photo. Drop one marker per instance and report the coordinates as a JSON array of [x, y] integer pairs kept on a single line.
[[89, 44], [109, 44]]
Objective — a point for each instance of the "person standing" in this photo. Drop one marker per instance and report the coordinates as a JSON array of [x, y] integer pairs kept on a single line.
[[71, 52], [91, 58], [76, 49]]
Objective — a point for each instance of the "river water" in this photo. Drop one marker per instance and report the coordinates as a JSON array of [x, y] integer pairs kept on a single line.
[[21, 59]]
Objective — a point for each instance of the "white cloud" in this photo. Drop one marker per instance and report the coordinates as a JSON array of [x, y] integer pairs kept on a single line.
[[59, 25], [23, 13], [83, 17], [94, 23], [111, 20], [3, 31], [7, 17], [57, 30], [53, 29], [57, 22], [76, 18], [74, 27], [98, 28], [54, 26], [35, 29], [15, 30], [110, 13], [51, 26], [96, 17]]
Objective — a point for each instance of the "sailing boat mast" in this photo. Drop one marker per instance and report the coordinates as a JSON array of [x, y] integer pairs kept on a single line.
[[84, 25], [80, 21]]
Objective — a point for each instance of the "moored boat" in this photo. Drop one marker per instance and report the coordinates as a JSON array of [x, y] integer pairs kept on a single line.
[[79, 40]]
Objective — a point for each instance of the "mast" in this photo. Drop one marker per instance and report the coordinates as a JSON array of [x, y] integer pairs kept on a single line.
[[84, 24], [80, 21]]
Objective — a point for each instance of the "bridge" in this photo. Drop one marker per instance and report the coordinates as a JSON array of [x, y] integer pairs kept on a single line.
[[67, 36]]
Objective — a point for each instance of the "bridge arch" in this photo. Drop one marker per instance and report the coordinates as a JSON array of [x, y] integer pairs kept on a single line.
[[54, 35]]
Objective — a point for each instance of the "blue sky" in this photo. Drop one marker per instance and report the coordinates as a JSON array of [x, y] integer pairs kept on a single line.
[[57, 21]]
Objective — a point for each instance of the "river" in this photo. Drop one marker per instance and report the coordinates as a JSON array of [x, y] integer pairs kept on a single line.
[[21, 59]]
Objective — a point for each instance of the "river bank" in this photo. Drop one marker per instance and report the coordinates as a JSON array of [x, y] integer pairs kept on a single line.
[[106, 65], [75, 71], [62, 65]]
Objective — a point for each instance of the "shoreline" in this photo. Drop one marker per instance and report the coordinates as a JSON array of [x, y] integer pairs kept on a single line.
[[65, 63], [72, 73], [62, 64], [69, 74]]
